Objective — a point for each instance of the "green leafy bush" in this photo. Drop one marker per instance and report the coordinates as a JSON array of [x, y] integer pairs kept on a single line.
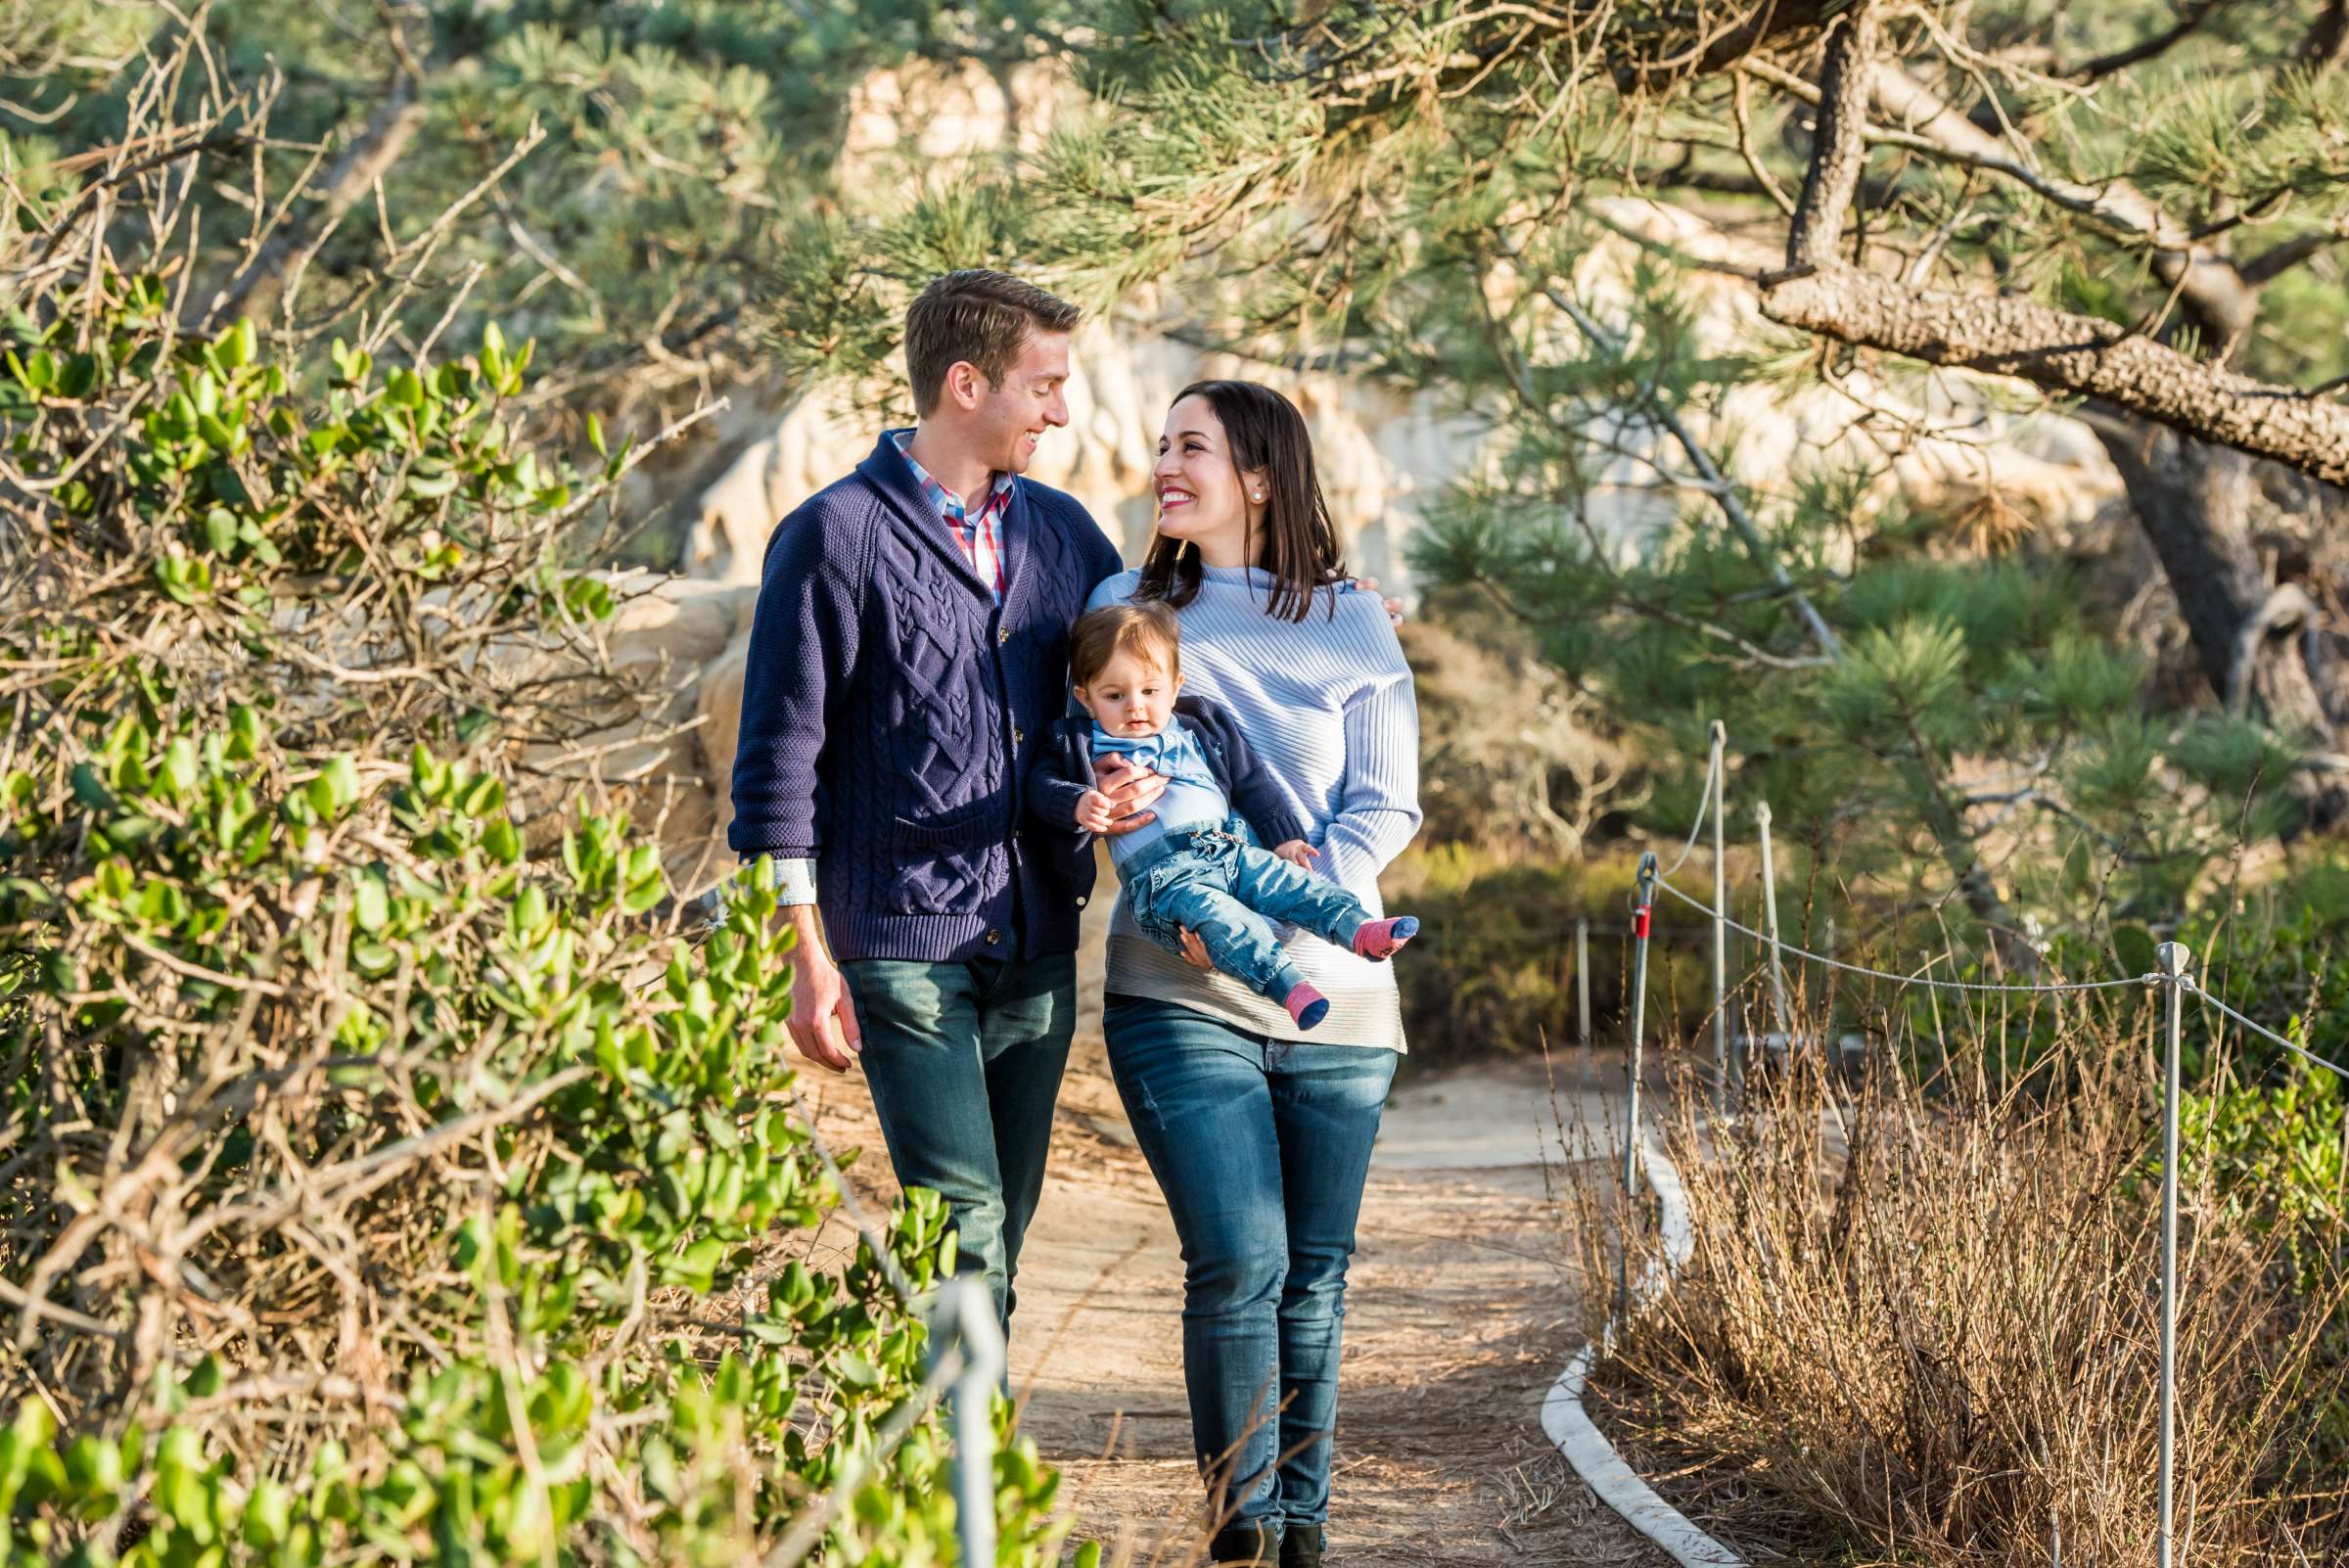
[[385, 1177]]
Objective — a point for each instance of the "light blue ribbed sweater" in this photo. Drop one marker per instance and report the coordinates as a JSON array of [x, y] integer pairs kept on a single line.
[[1327, 706]]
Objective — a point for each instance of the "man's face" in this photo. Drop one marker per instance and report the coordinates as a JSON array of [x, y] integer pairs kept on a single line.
[[1012, 416], [1132, 695]]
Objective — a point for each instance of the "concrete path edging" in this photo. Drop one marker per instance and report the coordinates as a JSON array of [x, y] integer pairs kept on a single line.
[[1586, 1448]]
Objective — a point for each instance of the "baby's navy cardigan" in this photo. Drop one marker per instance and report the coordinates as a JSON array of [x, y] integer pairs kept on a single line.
[[1064, 771]]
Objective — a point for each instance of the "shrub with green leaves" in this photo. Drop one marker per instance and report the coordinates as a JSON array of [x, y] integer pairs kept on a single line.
[[385, 1177]]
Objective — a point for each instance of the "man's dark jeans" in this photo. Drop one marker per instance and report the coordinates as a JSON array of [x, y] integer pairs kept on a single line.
[[1260, 1147], [965, 1061]]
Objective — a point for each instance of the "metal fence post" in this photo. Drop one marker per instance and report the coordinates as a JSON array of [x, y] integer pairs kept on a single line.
[[1770, 924], [2173, 957], [1724, 1075], [1641, 911], [1581, 991], [966, 1316]]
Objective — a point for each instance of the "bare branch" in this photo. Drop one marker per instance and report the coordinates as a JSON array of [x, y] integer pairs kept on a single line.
[[2190, 18], [2074, 355], [368, 158]]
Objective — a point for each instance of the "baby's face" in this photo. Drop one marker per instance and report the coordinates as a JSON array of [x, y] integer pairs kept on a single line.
[[1131, 695]]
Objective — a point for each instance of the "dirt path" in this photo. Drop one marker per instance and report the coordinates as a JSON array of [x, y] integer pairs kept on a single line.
[[1461, 1313]]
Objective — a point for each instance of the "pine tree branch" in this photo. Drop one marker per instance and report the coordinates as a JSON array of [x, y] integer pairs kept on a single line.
[[1716, 485], [2327, 43], [2210, 287], [1839, 148], [2072, 355], [2286, 254], [2190, 18], [2217, 293]]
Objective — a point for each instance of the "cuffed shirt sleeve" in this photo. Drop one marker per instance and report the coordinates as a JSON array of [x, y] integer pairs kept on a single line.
[[794, 880]]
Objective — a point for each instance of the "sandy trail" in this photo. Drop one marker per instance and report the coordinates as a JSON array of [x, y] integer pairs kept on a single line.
[[1461, 1310]]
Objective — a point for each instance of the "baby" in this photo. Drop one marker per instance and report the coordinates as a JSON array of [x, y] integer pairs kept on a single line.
[[1186, 869]]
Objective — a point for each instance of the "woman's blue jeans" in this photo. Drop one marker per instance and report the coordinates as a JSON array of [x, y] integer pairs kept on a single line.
[[1260, 1147]]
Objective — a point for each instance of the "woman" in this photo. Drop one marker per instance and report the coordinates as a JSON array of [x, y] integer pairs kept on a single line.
[[1261, 1138]]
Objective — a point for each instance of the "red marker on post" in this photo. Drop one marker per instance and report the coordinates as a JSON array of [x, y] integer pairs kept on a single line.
[[1643, 906]]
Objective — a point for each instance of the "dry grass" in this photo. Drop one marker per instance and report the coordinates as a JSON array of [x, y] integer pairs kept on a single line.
[[1921, 1319]]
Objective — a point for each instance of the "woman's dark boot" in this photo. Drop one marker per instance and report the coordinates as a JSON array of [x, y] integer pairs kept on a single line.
[[1247, 1544], [1300, 1546]]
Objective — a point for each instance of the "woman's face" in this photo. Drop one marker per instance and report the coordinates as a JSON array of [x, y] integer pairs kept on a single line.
[[1202, 495]]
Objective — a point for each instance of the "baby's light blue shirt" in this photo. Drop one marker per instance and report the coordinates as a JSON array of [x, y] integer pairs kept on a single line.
[[1192, 799]]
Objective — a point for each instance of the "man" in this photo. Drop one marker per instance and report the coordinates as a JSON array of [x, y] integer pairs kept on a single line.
[[910, 654]]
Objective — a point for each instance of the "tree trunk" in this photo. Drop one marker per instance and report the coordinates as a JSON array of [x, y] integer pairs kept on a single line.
[[2261, 643]]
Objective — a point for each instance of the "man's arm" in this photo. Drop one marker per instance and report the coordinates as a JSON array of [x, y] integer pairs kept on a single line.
[[803, 648]]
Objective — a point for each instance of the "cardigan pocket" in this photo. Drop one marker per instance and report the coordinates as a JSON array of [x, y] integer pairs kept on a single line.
[[942, 864]]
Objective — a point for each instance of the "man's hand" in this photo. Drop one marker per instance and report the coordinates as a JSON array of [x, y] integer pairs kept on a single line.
[[1118, 804], [823, 1021], [1297, 853], [1393, 606]]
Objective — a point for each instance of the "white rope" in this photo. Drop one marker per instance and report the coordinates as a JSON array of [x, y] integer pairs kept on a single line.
[[1714, 769], [2152, 978], [2187, 982], [1715, 765], [1906, 980]]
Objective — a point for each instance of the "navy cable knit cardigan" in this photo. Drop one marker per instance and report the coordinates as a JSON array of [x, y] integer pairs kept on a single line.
[[891, 710]]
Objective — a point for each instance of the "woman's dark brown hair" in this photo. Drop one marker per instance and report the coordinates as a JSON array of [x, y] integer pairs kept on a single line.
[[1299, 545]]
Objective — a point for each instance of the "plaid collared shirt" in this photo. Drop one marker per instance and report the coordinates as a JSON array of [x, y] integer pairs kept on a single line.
[[981, 536]]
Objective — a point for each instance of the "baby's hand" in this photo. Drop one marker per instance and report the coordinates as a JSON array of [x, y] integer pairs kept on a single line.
[[1095, 811], [1297, 853]]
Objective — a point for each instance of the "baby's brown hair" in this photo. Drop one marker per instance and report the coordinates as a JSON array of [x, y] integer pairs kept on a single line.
[[1147, 628]]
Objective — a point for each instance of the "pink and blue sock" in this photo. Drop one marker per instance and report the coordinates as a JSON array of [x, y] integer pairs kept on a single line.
[[1306, 1005], [1383, 939]]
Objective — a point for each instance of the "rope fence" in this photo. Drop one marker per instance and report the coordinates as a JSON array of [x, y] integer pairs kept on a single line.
[[967, 1350], [2173, 957]]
